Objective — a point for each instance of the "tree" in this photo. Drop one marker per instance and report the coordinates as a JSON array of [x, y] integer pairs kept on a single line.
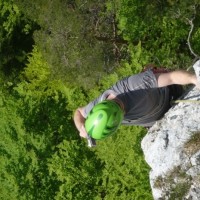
[[162, 28], [16, 38], [71, 35]]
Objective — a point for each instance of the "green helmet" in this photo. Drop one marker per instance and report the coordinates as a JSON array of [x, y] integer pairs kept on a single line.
[[103, 119]]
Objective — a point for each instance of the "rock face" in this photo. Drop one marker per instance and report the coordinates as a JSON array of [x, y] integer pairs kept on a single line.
[[172, 150]]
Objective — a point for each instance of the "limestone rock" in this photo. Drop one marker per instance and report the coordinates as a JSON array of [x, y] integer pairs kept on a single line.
[[172, 150]]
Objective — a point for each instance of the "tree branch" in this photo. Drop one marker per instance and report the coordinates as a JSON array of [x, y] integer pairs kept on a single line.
[[189, 36]]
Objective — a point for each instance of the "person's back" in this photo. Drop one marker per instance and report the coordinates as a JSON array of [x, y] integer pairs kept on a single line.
[[144, 103], [144, 97]]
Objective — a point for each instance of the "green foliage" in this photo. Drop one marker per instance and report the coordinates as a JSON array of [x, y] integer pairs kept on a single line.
[[195, 41], [37, 70], [138, 58], [15, 37], [68, 38], [71, 167], [36, 133], [9, 16], [162, 27], [11, 146], [79, 45], [42, 154], [125, 174]]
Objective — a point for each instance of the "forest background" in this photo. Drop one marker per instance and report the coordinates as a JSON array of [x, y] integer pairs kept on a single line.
[[57, 55]]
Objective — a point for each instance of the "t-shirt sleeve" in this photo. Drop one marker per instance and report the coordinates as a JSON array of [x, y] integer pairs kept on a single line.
[[90, 105], [142, 80]]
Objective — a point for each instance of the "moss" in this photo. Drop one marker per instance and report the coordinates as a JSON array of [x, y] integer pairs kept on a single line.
[[158, 183], [193, 145], [176, 183], [179, 191], [177, 172]]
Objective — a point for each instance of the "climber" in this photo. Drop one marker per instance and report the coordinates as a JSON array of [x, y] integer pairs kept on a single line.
[[139, 99]]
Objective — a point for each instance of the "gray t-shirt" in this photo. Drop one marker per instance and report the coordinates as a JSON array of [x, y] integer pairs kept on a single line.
[[143, 101]]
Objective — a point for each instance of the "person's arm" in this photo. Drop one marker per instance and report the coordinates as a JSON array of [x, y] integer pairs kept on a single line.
[[79, 121], [176, 77]]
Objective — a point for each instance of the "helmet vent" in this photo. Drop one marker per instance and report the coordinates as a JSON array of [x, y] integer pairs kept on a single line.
[[104, 119]]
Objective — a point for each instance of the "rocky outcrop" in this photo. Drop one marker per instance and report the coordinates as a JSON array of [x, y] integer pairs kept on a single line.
[[172, 150]]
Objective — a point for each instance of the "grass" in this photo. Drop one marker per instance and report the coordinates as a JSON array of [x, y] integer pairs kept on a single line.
[[176, 183]]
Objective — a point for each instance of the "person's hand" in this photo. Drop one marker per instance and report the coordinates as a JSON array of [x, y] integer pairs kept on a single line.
[[83, 132]]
